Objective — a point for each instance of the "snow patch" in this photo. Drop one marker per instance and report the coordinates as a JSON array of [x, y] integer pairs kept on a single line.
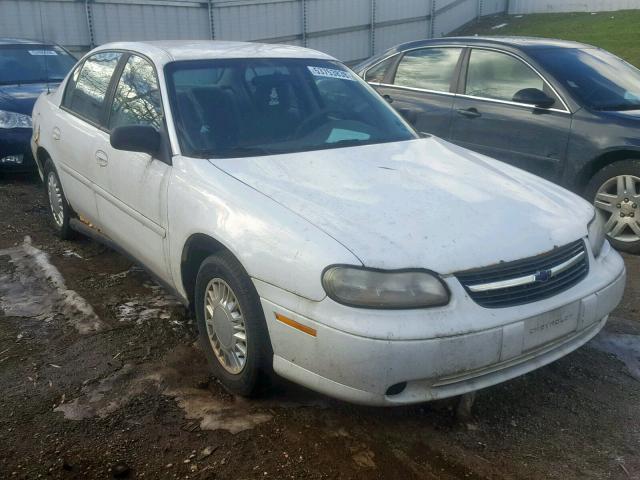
[[30, 286]]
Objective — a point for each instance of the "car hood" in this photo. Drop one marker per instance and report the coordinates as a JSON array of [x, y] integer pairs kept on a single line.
[[21, 98], [419, 203], [632, 115]]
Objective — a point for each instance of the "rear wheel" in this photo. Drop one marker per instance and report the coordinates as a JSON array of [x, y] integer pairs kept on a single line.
[[59, 209], [231, 325], [615, 190]]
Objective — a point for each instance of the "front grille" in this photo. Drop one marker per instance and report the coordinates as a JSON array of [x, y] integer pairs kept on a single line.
[[528, 280]]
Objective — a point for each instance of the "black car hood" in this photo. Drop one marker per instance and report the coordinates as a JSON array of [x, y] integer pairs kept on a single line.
[[632, 115], [20, 98]]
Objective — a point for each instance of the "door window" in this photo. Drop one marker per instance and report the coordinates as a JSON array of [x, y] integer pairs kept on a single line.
[[87, 96], [377, 73], [428, 68], [499, 76], [137, 97]]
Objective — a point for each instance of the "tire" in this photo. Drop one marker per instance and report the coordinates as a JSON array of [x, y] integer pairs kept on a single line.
[[59, 209], [615, 190], [222, 277]]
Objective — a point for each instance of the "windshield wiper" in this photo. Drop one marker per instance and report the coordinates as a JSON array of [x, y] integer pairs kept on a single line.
[[346, 143], [234, 152], [620, 107]]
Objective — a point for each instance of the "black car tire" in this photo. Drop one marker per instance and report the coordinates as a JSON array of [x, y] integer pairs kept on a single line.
[[64, 210], [623, 167], [256, 372]]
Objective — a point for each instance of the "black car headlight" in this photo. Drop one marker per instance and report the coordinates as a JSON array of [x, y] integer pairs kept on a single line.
[[597, 235], [392, 289], [14, 120]]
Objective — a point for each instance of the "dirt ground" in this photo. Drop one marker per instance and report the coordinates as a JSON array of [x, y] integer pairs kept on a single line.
[[100, 377]]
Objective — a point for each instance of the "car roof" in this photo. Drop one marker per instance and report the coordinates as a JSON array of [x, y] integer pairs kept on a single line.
[[509, 43], [21, 41], [520, 43], [166, 51]]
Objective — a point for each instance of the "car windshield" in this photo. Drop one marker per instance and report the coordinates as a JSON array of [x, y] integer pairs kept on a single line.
[[251, 107], [598, 79], [33, 64]]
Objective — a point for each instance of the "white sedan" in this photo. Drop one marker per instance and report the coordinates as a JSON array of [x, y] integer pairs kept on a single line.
[[313, 232]]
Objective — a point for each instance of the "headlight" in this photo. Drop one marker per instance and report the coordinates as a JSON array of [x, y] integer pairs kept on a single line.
[[366, 288], [597, 234], [14, 120]]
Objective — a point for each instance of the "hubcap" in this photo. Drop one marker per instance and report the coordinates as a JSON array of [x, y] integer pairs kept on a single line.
[[619, 199], [225, 326], [55, 199]]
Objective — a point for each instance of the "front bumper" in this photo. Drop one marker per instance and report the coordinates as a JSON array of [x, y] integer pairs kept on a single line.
[[16, 142], [481, 348]]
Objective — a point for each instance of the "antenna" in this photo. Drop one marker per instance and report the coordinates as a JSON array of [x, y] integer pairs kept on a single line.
[[46, 61]]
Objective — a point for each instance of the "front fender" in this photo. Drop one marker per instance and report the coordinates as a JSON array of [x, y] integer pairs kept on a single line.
[[272, 243]]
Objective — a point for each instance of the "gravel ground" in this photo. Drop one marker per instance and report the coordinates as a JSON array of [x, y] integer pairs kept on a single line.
[[101, 378]]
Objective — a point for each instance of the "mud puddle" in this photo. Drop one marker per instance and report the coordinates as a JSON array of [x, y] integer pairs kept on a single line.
[[626, 347], [184, 376]]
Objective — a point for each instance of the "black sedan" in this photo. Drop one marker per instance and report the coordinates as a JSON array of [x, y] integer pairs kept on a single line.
[[563, 110], [27, 68]]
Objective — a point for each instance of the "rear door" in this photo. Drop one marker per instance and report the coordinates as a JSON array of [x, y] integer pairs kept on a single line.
[[77, 124], [420, 84], [487, 120], [132, 197]]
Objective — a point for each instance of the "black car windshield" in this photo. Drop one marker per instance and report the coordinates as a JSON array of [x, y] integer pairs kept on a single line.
[[33, 64], [252, 107], [598, 79]]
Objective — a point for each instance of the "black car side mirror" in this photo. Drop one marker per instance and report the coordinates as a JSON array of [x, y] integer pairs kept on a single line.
[[533, 96], [136, 138]]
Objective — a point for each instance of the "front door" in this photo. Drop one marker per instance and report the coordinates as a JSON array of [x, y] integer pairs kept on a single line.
[[133, 194], [486, 119]]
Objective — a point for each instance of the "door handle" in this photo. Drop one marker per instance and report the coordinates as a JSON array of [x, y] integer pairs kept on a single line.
[[469, 112], [101, 158], [55, 133], [388, 98]]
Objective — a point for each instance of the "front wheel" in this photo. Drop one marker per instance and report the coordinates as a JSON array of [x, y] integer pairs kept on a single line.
[[59, 208], [615, 190], [231, 325]]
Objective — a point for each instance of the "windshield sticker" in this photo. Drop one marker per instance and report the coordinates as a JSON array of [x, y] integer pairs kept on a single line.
[[331, 73], [42, 52]]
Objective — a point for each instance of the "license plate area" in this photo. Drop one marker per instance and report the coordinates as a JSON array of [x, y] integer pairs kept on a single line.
[[550, 326]]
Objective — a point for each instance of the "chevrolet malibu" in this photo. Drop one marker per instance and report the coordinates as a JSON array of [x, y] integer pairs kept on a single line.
[[312, 231]]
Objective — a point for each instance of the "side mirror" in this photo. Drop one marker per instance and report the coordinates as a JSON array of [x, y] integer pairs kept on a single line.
[[136, 138], [533, 96]]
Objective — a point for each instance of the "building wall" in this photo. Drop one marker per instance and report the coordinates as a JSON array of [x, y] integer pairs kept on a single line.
[[348, 29]]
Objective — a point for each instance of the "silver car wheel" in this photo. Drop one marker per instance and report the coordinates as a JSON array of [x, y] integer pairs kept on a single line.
[[55, 199], [225, 326], [619, 200]]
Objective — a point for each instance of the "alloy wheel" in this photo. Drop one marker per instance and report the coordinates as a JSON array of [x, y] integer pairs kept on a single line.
[[619, 199], [225, 326], [55, 199]]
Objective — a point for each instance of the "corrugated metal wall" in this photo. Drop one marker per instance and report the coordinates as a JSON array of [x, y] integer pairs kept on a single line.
[[348, 29], [550, 6]]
